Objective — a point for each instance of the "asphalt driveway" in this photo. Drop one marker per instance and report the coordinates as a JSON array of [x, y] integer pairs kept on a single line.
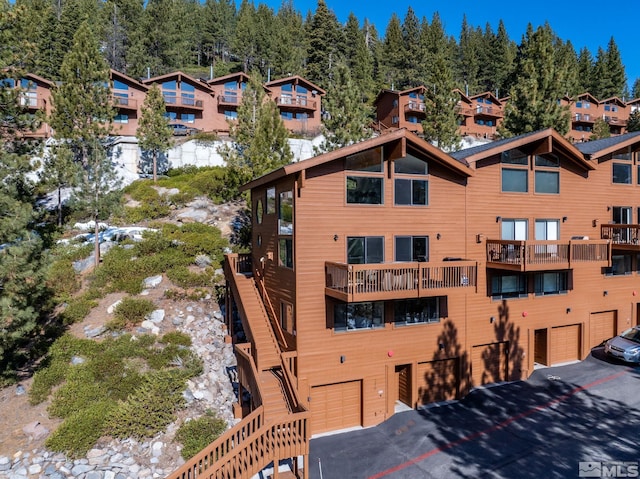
[[543, 427]]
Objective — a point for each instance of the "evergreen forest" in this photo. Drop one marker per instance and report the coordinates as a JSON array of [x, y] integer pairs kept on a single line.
[[216, 37]]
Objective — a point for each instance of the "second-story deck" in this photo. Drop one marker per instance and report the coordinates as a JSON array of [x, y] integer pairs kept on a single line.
[[546, 255], [296, 103], [383, 281], [622, 236]]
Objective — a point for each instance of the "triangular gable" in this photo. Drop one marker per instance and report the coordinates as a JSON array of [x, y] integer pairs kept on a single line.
[[463, 97], [39, 80], [297, 80], [114, 74], [596, 149], [181, 77], [487, 95], [614, 101], [586, 97], [546, 140], [401, 137], [418, 89], [241, 77], [384, 93]]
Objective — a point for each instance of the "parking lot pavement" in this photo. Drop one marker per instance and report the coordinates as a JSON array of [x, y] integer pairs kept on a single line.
[[539, 428]]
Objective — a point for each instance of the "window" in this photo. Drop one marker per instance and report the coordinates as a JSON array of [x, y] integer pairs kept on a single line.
[[547, 176], [118, 85], [514, 229], [411, 191], [515, 180], [259, 211], [271, 201], [170, 115], [188, 117], [620, 265], [285, 251], [121, 118], [578, 104], [354, 316], [412, 248], [547, 230], [230, 115], [415, 311], [285, 213], [413, 119], [364, 190], [607, 108], [365, 249], [508, 286], [369, 160], [622, 173], [395, 120], [551, 283], [286, 115], [302, 116]]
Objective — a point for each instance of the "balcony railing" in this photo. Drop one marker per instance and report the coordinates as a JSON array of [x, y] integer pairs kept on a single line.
[[360, 282], [240, 263], [545, 255], [183, 101], [415, 106], [31, 101], [488, 111], [229, 100], [622, 236], [125, 102], [614, 120], [463, 110], [296, 102]]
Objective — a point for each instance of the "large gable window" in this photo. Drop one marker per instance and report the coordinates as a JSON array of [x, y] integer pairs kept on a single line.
[[515, 178], [547, 174], [366, 188], [411, 182]]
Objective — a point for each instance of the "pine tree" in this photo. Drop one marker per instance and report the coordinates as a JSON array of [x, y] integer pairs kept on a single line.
[[391, 59], [600, 129], [359, 59], [567, 62], [154, 134], [348, 117], [504, 54], [60, 171], [441, 121], [411, 50], [635, 92], [633, 124], [290, 47], [585, 71], [23, 294], [616, 72], [259, 136], [82, 116], [468, 58], [326, 44], [244, 44], [219, 21], [533, 103]]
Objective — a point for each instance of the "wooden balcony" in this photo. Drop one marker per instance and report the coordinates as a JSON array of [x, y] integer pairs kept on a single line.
[[615, 121], [31, 102], [626, 237], [583, 118], [183, 102], [299, 103], [124, 103], [384, 281], [229, 100], [415, 107], [464, 110], [488, 111], [525, 256]]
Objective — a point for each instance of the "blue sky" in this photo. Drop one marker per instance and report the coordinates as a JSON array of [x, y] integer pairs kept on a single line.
[[584, 22]]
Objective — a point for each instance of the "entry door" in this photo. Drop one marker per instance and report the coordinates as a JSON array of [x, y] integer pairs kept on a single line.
[[547, 230], [622, 216], [540, 347], [403, 374]]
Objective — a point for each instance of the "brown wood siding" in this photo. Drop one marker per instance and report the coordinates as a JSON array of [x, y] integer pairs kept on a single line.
[[489, 363], [602, 326], [438, 381], [335, 406], [565, 343]]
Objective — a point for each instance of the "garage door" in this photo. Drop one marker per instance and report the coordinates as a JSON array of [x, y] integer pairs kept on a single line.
[[438, 381], [602, 326], [489, 363], [565, 344], [335, 406]]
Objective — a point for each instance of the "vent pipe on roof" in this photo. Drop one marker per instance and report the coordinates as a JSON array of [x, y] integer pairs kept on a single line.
[[211, 72], [466, 89], [268, 75], [148, 73]]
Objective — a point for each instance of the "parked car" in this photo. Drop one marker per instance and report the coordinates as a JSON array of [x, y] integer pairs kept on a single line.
[[182, 130], [626, 346]]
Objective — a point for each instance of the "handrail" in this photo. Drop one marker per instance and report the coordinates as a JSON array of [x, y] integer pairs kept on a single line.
[[271, 311], [291, 391], [248, 372]]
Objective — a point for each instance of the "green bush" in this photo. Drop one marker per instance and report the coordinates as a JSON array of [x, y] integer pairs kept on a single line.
[[45, 379], [184, 278], [197, 434], [77, 309], [80, 431], [130, 311], [176, 337], [62, 280], [150, 408]]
